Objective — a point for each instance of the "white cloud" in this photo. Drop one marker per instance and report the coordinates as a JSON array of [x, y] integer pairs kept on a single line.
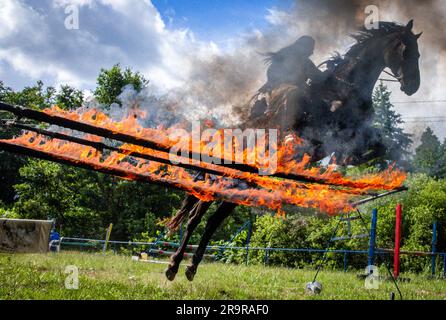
[[36, 45], [278, 17]]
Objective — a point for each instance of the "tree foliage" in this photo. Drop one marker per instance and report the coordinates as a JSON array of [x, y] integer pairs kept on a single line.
[[111, 82], [38, 97], [389, 122], [424, 203], [69, 98], [430, 156], [85, 203]]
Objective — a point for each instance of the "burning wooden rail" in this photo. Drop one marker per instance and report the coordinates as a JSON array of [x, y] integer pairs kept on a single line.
[[331, 194], [209, 169], [21, 112], [100, 146], [203, 190]]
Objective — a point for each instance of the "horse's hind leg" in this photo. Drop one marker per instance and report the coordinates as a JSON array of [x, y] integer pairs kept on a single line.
[[223, 211], [196, 214], [186, 207]]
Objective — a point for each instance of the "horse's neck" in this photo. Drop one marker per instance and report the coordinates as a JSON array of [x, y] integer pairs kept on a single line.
[[364, 71]]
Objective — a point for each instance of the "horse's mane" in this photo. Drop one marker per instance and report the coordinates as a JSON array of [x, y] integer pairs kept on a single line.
[[364, 36]]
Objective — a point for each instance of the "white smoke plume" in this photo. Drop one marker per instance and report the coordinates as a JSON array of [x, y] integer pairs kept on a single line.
[[219, 85]]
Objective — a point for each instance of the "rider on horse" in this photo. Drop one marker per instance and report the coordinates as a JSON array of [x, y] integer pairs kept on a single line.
[[292, 65], [289, 69]]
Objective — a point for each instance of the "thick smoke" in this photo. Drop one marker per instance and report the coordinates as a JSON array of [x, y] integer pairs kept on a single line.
[[329, 21], [219, 86]]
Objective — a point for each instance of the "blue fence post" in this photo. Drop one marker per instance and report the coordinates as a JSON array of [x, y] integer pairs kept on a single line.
[[248, 240], [371, 257], [444, 264], [434, 248]]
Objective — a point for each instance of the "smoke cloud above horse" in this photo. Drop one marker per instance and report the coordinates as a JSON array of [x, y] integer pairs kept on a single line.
[[219, 84], [222, 83]]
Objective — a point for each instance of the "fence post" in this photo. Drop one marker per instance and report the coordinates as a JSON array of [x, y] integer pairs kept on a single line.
[[444, 264], [248, 240], [371, 257], [396, 256], [107, 237], [434, 247], [345, 261]]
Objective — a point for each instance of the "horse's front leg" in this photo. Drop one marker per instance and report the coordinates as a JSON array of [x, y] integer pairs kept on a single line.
[[223, 211], [197, 213]]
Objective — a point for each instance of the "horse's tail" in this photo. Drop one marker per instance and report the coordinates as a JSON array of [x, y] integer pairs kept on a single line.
[[182, 214]]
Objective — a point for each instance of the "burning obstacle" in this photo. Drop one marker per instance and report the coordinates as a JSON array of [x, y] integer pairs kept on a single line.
[[143, 155]]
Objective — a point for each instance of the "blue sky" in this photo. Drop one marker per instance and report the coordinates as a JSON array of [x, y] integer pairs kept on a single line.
[[217, 20]]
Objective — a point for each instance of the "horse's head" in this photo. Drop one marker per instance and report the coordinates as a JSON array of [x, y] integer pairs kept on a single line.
[[402, 56]]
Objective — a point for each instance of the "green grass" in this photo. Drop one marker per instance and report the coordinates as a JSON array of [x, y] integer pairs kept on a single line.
[[117, 277]]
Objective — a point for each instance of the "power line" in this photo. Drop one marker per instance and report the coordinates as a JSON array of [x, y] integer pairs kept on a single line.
[[423, 118], [426, 117], [426, 121], [419, 101]]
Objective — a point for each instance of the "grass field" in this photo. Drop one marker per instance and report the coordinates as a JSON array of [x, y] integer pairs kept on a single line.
[[117, 277]]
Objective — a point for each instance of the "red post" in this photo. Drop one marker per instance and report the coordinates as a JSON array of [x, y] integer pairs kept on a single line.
[[396, 257]]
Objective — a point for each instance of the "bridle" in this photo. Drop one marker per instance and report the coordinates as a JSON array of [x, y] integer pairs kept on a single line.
[[397, 79]]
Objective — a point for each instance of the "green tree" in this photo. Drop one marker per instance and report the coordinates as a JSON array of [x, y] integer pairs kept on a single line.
[[37, 97], [111, 82], [389, 122], [84, 203], [69, 98], [4, 91], [430, 155]]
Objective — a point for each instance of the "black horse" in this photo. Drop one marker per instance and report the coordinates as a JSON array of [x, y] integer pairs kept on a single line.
[[336, 117]]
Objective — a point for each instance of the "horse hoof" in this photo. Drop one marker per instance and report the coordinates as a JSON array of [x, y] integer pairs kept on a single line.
[[170, 274], [190, 273]]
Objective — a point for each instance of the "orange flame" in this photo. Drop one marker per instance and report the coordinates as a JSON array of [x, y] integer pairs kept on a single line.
[[255, 191]]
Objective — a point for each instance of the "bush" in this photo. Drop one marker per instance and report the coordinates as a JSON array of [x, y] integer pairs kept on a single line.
[[424, 203]]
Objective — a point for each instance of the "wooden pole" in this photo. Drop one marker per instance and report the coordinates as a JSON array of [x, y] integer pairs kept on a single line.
[[100, 146], [122, 173], [107, 237], [162, 158], [21, 112]]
